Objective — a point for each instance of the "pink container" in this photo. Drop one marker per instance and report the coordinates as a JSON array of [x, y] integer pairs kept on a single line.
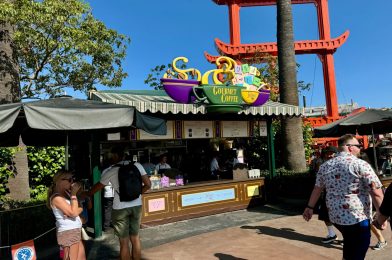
[[165, 182], [179, 180]]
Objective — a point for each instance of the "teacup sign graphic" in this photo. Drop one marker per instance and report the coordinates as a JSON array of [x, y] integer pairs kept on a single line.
[[220, 94], [177, 83], [234, 86]]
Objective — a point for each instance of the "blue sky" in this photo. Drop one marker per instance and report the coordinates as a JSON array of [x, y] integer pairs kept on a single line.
[[163, 30]]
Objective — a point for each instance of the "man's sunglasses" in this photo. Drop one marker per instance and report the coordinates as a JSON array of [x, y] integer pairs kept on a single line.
[[357, 145]]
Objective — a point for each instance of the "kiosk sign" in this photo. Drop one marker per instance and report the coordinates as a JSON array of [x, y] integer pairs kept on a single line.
[[223, 95], [235, 86]]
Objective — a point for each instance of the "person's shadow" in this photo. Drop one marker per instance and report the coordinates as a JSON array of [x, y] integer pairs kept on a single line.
[[289, 233], [222, 256]]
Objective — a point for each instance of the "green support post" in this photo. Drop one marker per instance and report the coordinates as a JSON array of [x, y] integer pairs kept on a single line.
[[271, 149], [97, 204], [94, 151]]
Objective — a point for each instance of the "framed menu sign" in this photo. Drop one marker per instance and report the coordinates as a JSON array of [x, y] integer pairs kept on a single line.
[[263, 128], [143, 135], [235, 129], [198, 129]]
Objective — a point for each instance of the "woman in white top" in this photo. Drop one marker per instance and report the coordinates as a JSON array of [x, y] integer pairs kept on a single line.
[[65, 206]]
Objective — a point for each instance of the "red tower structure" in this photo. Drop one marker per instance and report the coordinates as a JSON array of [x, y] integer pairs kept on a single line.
[[324, 47]]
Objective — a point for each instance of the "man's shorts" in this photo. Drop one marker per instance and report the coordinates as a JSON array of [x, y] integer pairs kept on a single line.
[[126, 221], [323, 210]]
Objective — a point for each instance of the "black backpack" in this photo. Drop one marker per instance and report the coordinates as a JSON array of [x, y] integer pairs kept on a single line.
[[130, 182]]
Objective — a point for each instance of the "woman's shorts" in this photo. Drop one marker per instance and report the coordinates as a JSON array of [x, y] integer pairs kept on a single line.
[[69, 237]]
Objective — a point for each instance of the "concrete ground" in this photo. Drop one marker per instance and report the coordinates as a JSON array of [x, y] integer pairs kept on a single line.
[[271, 231]]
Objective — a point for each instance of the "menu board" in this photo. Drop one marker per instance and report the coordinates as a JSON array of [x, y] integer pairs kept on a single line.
[[235, 129], [263, 128], [114, 136], [198, 129], [207, 197], [143, 135]]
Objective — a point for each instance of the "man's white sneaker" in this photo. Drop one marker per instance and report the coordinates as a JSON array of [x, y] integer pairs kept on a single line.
[[380, 245]]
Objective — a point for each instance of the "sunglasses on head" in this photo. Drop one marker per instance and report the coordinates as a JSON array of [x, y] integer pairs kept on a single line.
[[356, 145]]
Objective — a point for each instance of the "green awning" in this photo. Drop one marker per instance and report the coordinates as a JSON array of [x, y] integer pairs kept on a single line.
[[37, 121], [155, 101]]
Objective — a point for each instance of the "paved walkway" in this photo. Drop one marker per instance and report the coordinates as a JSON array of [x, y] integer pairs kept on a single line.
[[265, 232]]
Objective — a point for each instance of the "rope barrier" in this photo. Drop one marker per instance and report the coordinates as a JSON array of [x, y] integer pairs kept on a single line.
[[44, 233]]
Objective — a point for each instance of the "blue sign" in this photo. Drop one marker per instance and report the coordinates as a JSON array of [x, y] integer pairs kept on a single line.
[[24, 253], [207, 197]]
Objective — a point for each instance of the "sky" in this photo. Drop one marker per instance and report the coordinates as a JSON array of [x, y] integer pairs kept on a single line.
[[163, 30]]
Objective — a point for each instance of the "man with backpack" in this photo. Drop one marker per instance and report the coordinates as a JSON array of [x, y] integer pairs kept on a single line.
[[129, 181]]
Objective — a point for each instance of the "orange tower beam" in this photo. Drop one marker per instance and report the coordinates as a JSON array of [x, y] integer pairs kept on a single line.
[[327, 61], [326, 55], [234, 22]]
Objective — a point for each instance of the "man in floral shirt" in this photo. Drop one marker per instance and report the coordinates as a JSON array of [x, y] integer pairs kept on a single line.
[[349, 181]]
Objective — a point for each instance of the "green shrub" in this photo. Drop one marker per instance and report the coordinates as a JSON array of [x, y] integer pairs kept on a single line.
[[298, 185], [10, 204], [282, 172]]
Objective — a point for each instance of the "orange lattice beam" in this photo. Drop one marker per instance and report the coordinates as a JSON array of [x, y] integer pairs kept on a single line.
[[244, 3], [247, 51]]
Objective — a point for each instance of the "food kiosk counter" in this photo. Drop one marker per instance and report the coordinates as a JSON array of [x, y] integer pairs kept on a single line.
[[199, 199]]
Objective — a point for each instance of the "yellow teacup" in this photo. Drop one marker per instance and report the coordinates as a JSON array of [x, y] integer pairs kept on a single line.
[[249, 96]]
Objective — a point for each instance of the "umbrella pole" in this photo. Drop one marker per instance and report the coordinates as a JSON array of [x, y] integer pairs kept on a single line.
[[374, 152]]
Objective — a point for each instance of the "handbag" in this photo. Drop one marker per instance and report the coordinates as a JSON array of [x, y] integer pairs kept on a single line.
[[85, 236]]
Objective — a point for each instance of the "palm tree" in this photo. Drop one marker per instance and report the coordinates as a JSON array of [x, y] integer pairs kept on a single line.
[[9, 76], [293, 150], [9, 93]]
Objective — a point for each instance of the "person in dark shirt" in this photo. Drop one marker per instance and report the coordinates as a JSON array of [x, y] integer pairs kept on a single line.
[[385, 210]]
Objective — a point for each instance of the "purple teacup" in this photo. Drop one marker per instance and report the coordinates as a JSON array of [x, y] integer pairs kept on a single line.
[[180, 90], [262, 98]]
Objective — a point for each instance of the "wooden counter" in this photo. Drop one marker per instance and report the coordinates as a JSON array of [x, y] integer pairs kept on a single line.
[[200, 199]]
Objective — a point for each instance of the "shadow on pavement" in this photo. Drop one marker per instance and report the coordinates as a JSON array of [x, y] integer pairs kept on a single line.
[[221, 256], [291, 234], [107, 246], [101, 249]]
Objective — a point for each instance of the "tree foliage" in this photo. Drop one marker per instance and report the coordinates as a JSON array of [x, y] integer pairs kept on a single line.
[[43, 162], [153, 78], [60, 44], [308, 140], [6, 168]]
